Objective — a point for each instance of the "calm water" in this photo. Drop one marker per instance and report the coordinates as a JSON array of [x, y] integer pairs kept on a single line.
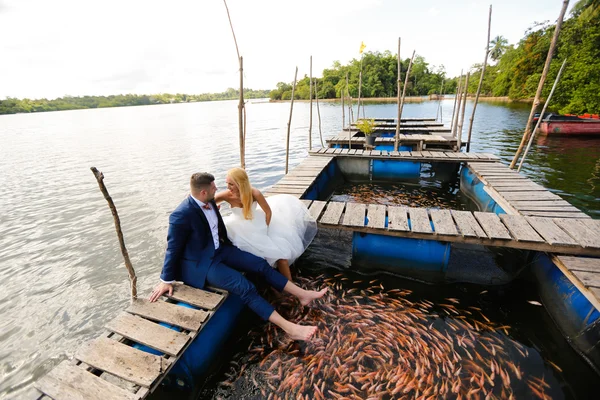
[[59, 256]]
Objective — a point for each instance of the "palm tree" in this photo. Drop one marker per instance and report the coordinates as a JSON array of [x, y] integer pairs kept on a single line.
[[497, 47], [586, 9]]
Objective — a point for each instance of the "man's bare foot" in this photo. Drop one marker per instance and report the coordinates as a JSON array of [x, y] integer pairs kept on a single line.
[[310, 295], [302, 332]]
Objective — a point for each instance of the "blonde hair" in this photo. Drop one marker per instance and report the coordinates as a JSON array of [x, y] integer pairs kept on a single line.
[[240, 178]]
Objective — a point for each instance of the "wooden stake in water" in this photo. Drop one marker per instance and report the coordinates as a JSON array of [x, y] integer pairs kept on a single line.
[[399, 84], [310, 113], [456, 115], [542, 114], [349, 114], [319, 114], [538, 93], [454, 106], [487, 51], [402, 100], [462, 117], [287, 142], [132, 278]]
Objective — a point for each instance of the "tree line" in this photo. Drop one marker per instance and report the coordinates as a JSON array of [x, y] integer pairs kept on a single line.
[[13, 105]]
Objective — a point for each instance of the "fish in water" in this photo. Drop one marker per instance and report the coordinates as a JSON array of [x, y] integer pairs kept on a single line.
[[535, 303]]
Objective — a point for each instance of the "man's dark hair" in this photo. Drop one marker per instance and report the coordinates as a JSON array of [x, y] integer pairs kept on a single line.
[[201, 180]]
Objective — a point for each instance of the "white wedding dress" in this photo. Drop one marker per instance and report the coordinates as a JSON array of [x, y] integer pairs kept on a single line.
[[290, 232]]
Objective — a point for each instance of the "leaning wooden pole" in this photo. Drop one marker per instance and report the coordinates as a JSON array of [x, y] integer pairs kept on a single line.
[[402, 99], [399, 84], [455, 100], [132, 278], [538, 93], [487, 51], [456, 113], [532, 136], [462, 117], [310, 113], [319, 114], [287, 141], [349, 115]]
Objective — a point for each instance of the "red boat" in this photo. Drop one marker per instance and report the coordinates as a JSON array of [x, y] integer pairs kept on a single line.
[[586, 124]]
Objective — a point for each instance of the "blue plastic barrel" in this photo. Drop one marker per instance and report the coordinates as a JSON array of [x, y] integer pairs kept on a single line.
[[396, 169]]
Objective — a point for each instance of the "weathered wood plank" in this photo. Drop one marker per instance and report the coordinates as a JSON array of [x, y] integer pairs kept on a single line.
[[555, 214], [550, 231], [332, 214], [123, 361], [196, 297], [419, 220], [519, 228], [492, 225], [69, 382], [443, 224], [306, 202], [172, 314], [579, 231], [397, 218], [467, 224], [355, 214], [376, 216], [549, 207], [581, 263], [148, 333], [530, 196], [589, 279], [316, 208], [519, 188]]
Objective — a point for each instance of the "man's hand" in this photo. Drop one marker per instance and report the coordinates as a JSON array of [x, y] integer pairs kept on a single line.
[[161, 289]]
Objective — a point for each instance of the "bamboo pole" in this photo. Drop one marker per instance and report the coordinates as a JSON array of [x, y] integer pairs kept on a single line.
[[132, 278], [399, 84], [532, 136], [487, 51], [310, 113], [359, 91], [319, 114], [402, 99], [538, 93], [287, 142], [462, 117], [350, 111], [349, 115], [456, 109]]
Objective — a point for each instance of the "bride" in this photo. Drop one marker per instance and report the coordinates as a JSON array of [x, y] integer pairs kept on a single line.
[[277, 229]]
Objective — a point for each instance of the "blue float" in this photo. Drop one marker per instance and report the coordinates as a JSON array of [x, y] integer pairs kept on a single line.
[[395, 169]]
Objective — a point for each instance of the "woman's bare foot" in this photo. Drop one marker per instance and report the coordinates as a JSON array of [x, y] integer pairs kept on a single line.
[[310, 295], [302, 332]]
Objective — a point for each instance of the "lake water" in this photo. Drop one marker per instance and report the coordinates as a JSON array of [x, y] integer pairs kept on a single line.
[[63, 274]]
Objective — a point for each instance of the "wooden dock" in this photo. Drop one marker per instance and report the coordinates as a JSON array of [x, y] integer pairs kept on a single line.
[[420, 142], [299, 180], [109, 367], [431, 156]]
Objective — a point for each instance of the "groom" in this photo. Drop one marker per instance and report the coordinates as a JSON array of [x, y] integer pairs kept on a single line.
[[199, 252]]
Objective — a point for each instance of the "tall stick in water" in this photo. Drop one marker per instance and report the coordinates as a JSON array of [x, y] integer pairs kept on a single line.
[[350, 112], [287, 142], [455, 100], [487, 51], [310, 113], [402, 99], [132, 278], [541, 115], [462, 117], [349, 115], [538, 93], [319, 114], [456, 114], [241, 105], [399, 84], [359, 91]]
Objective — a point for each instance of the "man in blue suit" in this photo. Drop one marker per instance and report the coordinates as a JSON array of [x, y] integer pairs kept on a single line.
[[199, 252]]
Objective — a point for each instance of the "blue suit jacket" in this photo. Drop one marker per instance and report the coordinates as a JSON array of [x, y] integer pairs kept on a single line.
[[190, 246]]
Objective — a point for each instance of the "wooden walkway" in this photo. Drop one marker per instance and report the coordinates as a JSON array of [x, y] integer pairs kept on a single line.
[[298, 180], [554, 235], [108, 367], [406, 124], [437, 156], [404, 128], [421, 142]]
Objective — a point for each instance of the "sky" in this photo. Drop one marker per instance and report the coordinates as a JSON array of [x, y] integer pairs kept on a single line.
[[53, 48]]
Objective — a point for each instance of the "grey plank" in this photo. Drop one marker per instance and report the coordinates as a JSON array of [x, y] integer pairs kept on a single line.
[[443, 224], [355, 214], [332, 214], [530, 196], [581, 263], [196, 297], [519, 228], [579, 231], [554, 214], [397, 218], [589, 279], [550, 231], [172, 314], [316, 208], [306, 202], [148, 333], [419, 220], [492, 225], [376, 216], [467, 224], [69, 382], [592, 224], [519, 188], [123, 361]]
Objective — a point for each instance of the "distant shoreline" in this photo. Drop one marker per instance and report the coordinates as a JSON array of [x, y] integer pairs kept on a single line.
[[413, 99]]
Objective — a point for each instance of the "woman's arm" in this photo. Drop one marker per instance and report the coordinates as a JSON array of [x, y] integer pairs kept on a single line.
[[222, 196], [262, 202]]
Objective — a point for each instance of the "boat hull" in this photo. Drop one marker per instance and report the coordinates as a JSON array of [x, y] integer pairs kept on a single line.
[[584, 127]]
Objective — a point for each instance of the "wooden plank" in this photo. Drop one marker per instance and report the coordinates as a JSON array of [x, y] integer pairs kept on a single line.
[[467, 224], [306, 202], [376, 216], [186, 318], [69, 382], [550, 207], [492, 225], [443, 224], [519, 188], [519, 228], [397, 218], [355, 214], [581, 263], [123, 361], [592, 294], [555, 214], [287, 190], [551, 232], [332, 214], [592, 224], [589, 279], [196, 297], [316, 208], [579, 231], [557, 202], [148, 333], [419, 220], [530, 196]]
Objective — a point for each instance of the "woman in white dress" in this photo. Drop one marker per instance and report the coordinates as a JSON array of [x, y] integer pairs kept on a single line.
[[277, 229]]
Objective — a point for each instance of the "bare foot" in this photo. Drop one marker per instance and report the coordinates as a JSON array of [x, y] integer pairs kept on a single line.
[[310, 295], [302, 332]]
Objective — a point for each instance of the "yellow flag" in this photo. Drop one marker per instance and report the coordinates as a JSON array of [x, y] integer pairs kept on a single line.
[[362, 47]]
